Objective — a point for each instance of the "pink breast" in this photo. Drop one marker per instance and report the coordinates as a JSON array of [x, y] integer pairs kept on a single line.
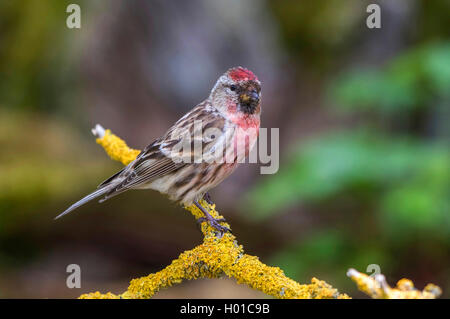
[[244, 140]]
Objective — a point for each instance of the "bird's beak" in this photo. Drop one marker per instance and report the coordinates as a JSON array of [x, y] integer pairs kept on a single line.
[[254, 96], [249, 101], [251, 97]]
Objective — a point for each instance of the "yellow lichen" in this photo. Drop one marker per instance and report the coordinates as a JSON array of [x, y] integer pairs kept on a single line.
[[377, 287], [117, 149], [222, 256], [98, 295]]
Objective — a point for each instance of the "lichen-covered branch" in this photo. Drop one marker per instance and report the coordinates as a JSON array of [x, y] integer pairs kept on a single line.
[[217, 256], [115, 147], [377, 287]]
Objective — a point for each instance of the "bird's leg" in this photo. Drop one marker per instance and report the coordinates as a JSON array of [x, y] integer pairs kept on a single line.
[[207, 198], [211, 220]]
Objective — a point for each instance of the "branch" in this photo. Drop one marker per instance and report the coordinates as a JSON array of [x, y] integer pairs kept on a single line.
[[218, 256], [377, 287]]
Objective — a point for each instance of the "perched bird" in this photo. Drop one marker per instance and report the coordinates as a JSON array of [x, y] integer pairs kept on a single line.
[[199, 151]]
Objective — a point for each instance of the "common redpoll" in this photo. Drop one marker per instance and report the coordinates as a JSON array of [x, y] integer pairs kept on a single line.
[[199, 151]]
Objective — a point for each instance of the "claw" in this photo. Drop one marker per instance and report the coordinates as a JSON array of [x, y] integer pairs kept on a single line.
[[213, 222], [204, 219]]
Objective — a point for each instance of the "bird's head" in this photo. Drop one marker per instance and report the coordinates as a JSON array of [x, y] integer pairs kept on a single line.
[[237, 92]]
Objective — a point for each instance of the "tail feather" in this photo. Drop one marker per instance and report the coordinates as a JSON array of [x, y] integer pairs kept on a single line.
[[112, 193], [112, 178], [84, 200]]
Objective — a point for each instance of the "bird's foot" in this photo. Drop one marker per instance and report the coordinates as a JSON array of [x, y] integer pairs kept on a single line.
[[215, 223]]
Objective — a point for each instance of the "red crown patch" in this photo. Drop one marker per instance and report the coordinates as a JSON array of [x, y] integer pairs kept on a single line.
[[242, 74]]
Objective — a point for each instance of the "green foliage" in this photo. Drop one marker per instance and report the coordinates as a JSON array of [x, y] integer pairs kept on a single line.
[[408, 82], [331, 252], [361, 161], [316, 248]]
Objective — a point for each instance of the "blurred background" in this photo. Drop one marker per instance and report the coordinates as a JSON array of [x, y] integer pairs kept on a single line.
[[363, 115]]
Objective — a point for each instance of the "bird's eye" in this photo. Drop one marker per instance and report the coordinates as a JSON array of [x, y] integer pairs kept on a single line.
[[233, 87]]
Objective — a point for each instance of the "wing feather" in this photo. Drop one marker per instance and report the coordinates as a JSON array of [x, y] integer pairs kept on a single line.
[[158, 159]]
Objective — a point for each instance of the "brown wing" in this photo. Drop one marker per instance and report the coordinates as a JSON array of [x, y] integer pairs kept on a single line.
[[159, 159]]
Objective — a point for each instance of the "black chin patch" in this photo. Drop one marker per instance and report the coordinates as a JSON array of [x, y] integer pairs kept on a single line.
[[249, 96], [248, 108]]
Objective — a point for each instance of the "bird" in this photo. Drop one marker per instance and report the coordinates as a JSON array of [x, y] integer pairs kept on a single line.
[[199, 151]]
